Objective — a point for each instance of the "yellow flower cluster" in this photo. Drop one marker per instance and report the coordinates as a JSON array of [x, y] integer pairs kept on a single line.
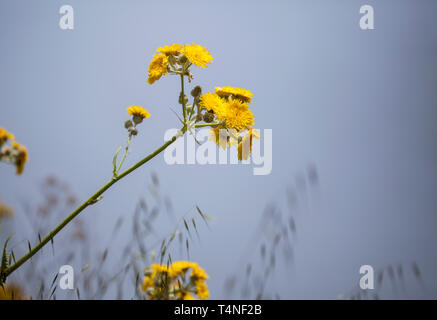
[[174, 282], [176, 59], [15, 154], [230, 107], [157, 67]]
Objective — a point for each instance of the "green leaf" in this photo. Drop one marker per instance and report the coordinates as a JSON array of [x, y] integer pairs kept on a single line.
[[5, 259]]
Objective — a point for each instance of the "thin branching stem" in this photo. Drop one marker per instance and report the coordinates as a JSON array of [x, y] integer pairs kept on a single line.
[[126, 149], [93, 199]]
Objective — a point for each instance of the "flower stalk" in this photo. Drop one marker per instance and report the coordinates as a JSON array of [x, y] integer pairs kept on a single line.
[[91, 200]]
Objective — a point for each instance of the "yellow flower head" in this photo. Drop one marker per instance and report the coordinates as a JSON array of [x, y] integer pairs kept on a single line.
[[157, 67], [199, 273], [148, 283], [187, 296], [138, 111], [237, 93], [237, 115], [173, 49], [5, 136], [245, 145], [21, 158], [197, 55], [212, 102], [5, 211], [180, 267], [201, 289], [158, 268]]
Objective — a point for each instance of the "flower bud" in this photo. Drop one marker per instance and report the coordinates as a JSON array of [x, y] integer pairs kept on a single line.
[[199, 117], [197, 91], [128, 124], [183, 99], [208, 117], [133, 131]]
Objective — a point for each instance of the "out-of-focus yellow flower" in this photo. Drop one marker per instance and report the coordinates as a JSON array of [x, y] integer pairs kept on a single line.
[[174, 282], [197, 55], [173, 49], [179, 267], [5, 136], [147, 283], [21, 157], [5, 211], [138, 111], [237, 93], [188, 296], [245, 145], [198, 273], [157, 67], [12, 292], [201, 289]]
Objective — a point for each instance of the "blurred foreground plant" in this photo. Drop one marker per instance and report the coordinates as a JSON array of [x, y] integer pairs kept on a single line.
[[226, 111], [15, 154], [162, 282]]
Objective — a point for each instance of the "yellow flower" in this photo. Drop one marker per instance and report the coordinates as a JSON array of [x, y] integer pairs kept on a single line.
[[212, 102], [157, 67], [5, 211], [187, 296], [21, 158], [148, 283], [179, 267], [245, 145], [237, 93], [173, 282], [199, 273], [197, 55], [158, 268], [173, 49], [202, 289], [5, 136], [138, 111], [237, 115]]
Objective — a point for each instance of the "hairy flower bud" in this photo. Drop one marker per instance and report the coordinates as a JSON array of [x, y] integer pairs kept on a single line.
[[128, 124], [183, 99], [197, 91], [208, 117]]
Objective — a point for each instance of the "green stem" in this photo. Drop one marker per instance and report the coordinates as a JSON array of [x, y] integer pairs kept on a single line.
[[212, 124], [184, 109], [93, 199], [126, 149]]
